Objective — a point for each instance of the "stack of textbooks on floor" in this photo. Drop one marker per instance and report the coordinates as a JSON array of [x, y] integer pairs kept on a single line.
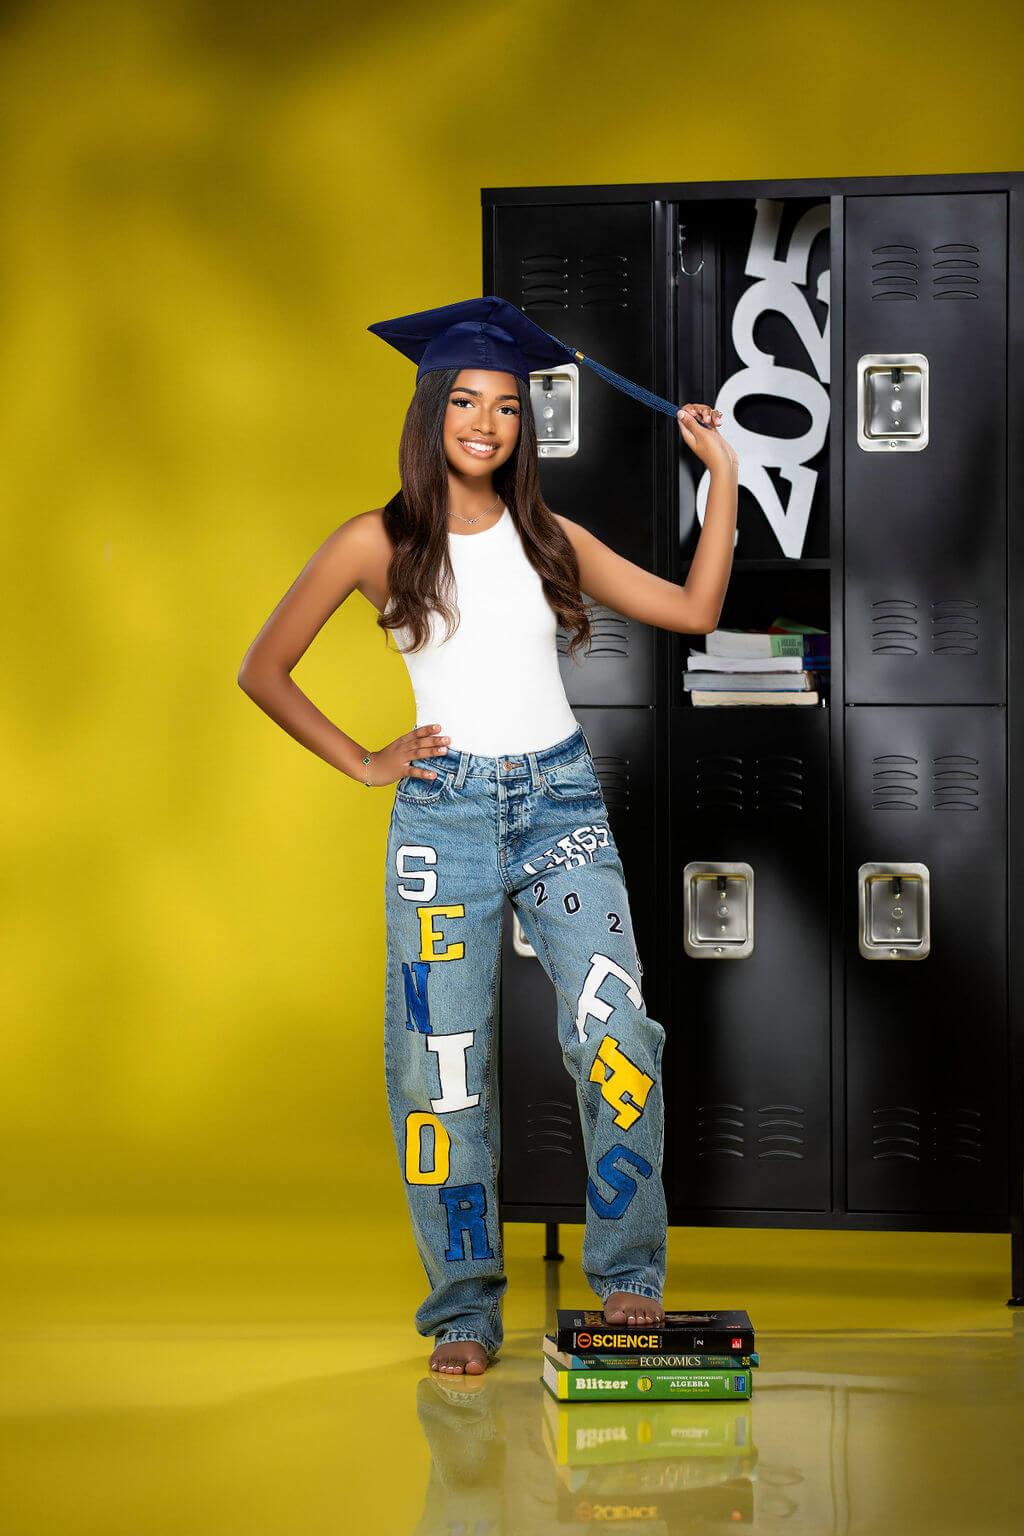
[[786, 664], [705, 1355]]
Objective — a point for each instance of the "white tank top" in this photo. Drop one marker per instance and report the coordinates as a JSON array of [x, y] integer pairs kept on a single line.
[[494, 686]]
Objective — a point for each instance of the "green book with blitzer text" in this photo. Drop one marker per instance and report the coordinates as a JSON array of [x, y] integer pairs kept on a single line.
[[605, 1383]]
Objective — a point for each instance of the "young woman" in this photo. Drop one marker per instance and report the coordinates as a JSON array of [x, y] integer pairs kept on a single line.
[[496, 796]]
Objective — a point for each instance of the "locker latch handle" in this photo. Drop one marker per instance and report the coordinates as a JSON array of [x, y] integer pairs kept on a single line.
[[894, 911], [718, 910], [892, 402]]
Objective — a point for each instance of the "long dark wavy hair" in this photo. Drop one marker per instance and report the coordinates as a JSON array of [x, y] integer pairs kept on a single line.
[[420, 575]]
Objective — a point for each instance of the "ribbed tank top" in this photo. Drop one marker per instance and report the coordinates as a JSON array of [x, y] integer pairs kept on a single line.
[[495, 685]]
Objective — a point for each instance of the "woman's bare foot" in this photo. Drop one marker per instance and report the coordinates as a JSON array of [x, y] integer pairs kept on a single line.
[[626, 1307], [458, 1356]]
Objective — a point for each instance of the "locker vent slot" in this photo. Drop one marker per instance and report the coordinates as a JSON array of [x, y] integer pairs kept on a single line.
[[953, 785], [954, 628], [894, 272], [550, 1127], [779, 783], [719, 783], [613, 774], [544, 281], [550, 280], [940, 1134], [609, 636], [895, 786], [720, 1130], [957, 275], [894, 627], [778, 1132], [604, 282]]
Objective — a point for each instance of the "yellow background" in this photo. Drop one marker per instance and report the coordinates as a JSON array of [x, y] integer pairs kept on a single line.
[[204, 207]]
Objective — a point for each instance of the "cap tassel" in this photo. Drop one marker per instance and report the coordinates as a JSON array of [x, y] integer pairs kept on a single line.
[[638, 392]]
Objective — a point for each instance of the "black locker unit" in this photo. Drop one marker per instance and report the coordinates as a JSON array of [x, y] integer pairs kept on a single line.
[[805, 1084]]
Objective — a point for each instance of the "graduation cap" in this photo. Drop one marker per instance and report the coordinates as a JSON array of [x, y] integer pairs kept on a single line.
[[490, 333]]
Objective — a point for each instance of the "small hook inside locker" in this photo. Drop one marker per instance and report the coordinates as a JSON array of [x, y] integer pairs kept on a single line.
[[681, 238]]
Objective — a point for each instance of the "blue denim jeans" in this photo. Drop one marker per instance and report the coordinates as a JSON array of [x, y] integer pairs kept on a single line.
[[533, 827]]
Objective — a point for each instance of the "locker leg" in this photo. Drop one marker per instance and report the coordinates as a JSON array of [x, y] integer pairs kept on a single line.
[[1016, 1265], [551, 1241]]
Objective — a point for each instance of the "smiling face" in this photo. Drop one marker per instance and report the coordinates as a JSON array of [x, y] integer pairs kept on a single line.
[[481, 423]]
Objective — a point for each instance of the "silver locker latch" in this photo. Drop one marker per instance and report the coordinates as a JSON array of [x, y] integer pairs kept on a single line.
[[892, 401], [718, 904], [894, 911], [555, 397], [520, 943]]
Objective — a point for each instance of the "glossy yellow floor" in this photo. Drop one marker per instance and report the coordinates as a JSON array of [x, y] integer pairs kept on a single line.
[[220, 1379]]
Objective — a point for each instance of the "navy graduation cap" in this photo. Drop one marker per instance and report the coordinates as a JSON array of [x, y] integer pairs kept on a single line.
[[490, 333]]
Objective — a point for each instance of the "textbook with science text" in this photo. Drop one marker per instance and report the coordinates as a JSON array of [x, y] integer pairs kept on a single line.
[[565, 1361], [701, 1332]]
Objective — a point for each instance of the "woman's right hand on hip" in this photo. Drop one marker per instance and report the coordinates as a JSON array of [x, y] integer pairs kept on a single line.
[[391, 763]]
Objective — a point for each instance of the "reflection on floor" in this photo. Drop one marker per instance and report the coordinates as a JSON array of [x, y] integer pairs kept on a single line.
[[269, 1380]]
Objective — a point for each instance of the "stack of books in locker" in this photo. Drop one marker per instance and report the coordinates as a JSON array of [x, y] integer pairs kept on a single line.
[[789, 663], [698, 1355]]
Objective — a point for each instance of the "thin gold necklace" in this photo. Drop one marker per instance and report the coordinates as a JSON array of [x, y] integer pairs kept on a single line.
[[479, 515]]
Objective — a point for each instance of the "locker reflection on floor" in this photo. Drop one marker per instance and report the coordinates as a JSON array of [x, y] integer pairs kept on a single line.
[[224, 1380]]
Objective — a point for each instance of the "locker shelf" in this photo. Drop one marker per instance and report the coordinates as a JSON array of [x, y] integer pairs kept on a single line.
[[781, 563]]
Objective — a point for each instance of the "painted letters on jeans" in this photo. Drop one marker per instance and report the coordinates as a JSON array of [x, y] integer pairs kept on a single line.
[[429, 935], [451, 1066], [622, 1083], [618, 1180], [414, 1174], [592, 1006], [417, 1010], [427, 890], [577, 847], [466, 1205]]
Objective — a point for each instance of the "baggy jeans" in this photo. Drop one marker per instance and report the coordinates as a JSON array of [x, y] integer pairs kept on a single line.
[[533, 827]]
